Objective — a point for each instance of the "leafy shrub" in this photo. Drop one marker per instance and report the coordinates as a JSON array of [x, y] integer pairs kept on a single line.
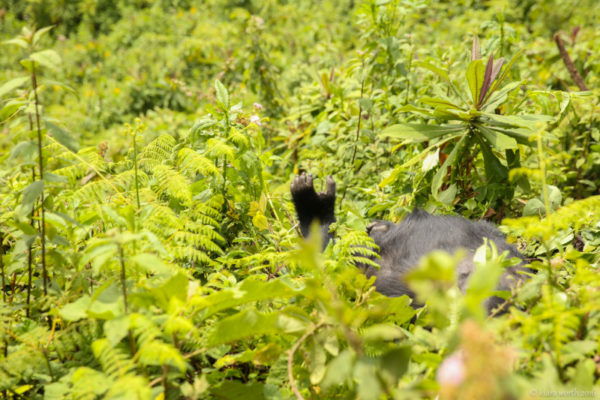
[[148, 244]]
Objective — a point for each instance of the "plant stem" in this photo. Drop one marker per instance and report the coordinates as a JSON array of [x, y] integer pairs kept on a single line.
[[165, 382], [227, 130], [135, 167], [564, 54], [41, 172], [362, 90], [2, 267], [123, 277], [543, 171], [30, 253], [290, 362]]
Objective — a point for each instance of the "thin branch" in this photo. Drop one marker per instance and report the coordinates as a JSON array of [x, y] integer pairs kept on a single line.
[[41, 172], [2, 268], [569, 63], [290, 363]]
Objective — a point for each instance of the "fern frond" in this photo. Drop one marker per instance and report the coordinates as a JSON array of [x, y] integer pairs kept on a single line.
[[218, 148], [82, 163], [157, 151], [238, 138], [97, 190], [189, 253], [159, 353], [126, 179], [265, 259], [159, 218], [173, 184], [114, 362], [130, 387], [356, 247], [87, 383], [204, 241], [193, 163]]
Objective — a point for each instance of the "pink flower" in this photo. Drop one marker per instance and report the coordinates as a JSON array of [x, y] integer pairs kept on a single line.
[[255, 119], [258, 106], [452, 370]]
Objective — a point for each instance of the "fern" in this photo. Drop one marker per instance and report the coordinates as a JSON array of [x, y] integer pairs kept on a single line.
[[218, 148], [173, 184], [356, 248], [187, 253], [115, 363], [156, 152], [151, 350], [81, 163], [191, 162]]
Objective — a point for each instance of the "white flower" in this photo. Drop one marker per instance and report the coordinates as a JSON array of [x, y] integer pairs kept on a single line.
[[255, 119], [452, 370]]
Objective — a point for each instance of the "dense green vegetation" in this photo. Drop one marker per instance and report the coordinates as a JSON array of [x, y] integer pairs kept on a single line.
[[149, 248]]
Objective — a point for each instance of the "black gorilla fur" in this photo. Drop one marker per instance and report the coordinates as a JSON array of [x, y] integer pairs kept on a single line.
[[402, 245]]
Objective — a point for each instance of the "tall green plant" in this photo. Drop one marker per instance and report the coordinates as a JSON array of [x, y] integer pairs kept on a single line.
[[477, 127], [35, 61]]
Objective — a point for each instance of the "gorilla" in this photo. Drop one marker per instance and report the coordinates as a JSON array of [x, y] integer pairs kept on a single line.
[[401, 246]]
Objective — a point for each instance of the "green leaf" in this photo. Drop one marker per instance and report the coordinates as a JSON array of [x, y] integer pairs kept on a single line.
[[116, 329], [447, 196], [501, 142], [431, 161], [529, 121], [61, 85], [494, 170], [47, 58], [76, 310], [438, 178], [442, 74], [13, 84], [415, 110], [39, 33], [339, 370], [366, 375], [63, 137], [251, 289], [260, 221], [10, 108], [379, 332], [439, 103], [175, 287], [32, 192], [554, 197], [236, 390], [17, 42], [318, 358], [497, 83], [475, 75], [202, 124], [417, 158], [394, 364], [534, 207], [107, 302], [222, 95], [420, 132], [250, 323], [493, 100], [151, 264], [26, 150], [521, 135]]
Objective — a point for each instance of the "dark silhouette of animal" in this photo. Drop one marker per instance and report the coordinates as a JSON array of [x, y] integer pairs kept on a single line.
[[401, 246]]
